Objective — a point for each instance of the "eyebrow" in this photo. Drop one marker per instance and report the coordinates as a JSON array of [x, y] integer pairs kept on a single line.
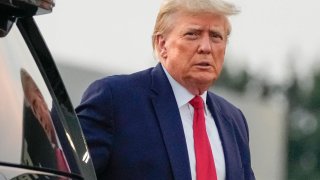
[[199, 29], [194, 27]]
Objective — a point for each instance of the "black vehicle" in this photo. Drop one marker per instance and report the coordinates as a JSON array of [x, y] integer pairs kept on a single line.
[[40, 135]]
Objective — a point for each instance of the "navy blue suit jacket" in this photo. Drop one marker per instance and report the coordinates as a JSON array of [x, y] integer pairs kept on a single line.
[[134, 130]]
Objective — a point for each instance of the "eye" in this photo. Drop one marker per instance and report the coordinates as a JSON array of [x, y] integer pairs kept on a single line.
[[216, 36], [191, 35]]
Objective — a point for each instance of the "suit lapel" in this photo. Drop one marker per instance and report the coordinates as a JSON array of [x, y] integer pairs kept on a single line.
[[228, 140], [170, 124]]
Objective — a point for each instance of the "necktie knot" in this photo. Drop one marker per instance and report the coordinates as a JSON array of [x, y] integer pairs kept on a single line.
[[197, 102]]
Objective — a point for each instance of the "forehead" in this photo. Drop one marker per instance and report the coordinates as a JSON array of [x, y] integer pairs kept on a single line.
[[199, 20]]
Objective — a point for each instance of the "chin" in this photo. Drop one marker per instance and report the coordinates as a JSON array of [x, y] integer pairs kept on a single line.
[[204, 82], [206, 78]]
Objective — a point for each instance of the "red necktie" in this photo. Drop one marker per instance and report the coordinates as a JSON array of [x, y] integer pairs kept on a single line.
[[205, 168], [61, 161]]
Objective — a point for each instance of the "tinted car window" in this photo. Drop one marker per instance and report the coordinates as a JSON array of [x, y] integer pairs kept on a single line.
[[40, 136]]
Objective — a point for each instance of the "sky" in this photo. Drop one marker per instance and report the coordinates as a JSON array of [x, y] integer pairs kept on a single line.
[[115, 36]]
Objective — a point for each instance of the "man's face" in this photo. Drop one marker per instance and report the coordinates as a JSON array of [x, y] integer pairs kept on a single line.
[[193, 51], [41, 111]]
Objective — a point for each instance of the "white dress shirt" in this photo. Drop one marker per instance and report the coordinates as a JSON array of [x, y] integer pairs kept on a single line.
[[183, 96]]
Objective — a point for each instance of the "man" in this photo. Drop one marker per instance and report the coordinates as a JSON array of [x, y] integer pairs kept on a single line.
[[39, 151], [152, 124]]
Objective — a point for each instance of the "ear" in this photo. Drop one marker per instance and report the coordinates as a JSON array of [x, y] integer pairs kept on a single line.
[[161, 42]]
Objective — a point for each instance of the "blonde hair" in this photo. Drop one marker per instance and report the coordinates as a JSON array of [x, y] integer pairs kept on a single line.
[[170, 7]]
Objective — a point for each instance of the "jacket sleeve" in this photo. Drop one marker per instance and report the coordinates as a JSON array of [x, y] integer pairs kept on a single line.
[[96, 118]]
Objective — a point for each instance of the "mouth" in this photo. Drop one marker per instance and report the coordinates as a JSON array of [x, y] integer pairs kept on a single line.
[[203, 65]]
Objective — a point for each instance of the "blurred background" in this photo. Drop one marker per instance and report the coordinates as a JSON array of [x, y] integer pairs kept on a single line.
[[271, 69]]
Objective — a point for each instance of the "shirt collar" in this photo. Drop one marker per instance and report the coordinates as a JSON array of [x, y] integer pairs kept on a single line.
[[182, 95]]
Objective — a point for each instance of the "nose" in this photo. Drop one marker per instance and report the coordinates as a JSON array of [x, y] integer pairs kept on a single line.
[[204, 45]]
